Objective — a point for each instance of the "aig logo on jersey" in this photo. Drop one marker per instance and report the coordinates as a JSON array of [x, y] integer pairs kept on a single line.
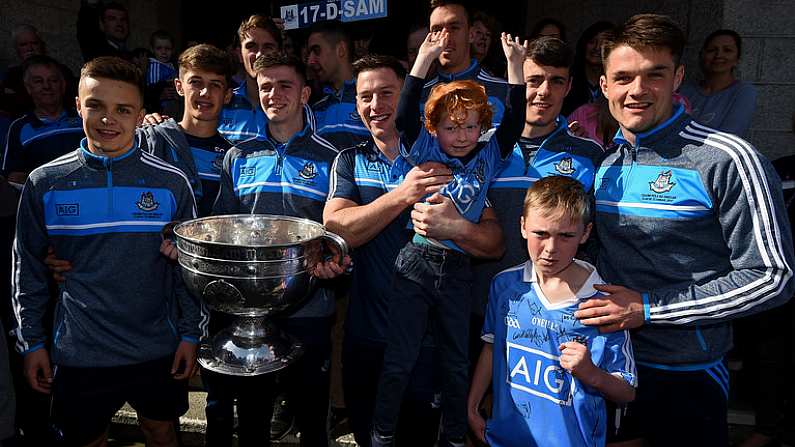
[[67, 209], [248, 171], [538, 373]]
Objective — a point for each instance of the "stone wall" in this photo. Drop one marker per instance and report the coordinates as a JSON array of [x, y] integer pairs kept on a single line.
[[56, 22], [768, 31], [768, 61]]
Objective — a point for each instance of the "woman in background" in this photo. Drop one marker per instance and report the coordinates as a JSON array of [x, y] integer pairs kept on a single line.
[[721, 100]]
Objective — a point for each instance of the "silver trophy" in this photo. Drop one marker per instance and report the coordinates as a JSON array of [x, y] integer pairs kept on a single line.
[[251, 266]]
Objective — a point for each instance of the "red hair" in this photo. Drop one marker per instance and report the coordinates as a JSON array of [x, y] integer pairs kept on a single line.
[[456, 99]]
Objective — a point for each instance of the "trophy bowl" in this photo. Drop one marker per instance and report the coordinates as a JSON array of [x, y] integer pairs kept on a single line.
[[251, 266]]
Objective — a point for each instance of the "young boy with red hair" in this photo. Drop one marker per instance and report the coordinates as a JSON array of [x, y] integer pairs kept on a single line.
[[433, 277]]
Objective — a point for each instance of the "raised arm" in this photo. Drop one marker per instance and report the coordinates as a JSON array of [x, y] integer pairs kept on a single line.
[[408, 121], [512, 124]]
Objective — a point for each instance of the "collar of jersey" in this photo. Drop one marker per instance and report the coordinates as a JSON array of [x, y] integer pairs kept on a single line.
[[301, 134], [371, 151], [346, 85], [654, 134], [101, 161], [586, 291], [473, 68]]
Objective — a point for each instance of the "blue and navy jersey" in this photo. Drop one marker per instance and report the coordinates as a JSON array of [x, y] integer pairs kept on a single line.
[[157, 72], [241, 120], [290, 179], [537, 402], [208, 155], [33, 142], [336, 118], [122, 302], [496, 88], [558, 153], [362, 174], [694, 220], [470, 180]]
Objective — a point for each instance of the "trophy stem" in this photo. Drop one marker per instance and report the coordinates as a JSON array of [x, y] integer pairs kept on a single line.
[[249, 347]]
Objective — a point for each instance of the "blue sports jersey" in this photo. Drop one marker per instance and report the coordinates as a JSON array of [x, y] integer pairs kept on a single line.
[[362, 174], [470, 180], [471, 173], [536, 402], [157, 72], [33, 141], [337, 119], [208, 155], [558, 153], [695, 222], [122, 302], [240, 119]]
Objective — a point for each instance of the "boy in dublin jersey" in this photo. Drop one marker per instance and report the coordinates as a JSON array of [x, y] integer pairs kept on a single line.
[[549, 373]]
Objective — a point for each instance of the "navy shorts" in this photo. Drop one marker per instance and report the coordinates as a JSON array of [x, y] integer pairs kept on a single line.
[[85, 399], [674, 408]]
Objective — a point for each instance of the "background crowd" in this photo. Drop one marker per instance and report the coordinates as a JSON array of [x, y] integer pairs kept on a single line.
[[38, 123]]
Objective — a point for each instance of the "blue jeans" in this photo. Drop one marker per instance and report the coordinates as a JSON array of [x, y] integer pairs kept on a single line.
[[431, 286]]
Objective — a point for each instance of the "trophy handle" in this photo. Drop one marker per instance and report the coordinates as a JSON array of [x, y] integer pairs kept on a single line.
[[338, 241]]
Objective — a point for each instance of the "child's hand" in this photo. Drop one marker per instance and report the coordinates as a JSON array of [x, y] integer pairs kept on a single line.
[[515, 50], [515, 53], [434, 45], [575, 358], [477, 424]]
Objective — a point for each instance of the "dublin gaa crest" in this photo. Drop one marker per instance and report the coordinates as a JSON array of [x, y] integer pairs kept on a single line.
[[309, 171], [663, 183], [565, 166], [147, 202]]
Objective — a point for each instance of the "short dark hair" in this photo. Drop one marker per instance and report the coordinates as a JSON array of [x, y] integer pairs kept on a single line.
[[115, 6], [263, 22], [550, 51], [40, 60], [335, 32], [376, 61], [279, 60], [439, 3], [160, 34], [207, 58], [536, 31], [647, 31], [115, 68], [738, 41]]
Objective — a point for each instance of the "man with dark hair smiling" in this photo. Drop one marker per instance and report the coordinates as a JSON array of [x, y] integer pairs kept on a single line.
[[369, 206], [693, 234], [124, 331], [287, 173]]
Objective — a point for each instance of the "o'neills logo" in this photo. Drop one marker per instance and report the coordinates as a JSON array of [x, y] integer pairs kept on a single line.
[[147, 202], [663, 183]]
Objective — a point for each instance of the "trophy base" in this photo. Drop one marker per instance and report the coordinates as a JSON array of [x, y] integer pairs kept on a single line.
[[251, 348]]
